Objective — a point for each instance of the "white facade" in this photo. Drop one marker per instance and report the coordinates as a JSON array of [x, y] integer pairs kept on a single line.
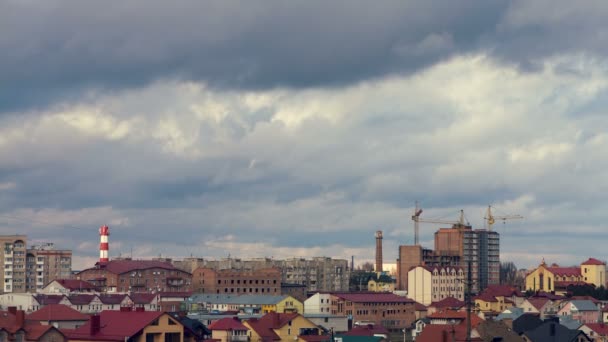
[[432, 284], [22, 301], [319, 303]]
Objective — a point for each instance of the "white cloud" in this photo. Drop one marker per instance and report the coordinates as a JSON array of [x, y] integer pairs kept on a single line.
[[260, 166]]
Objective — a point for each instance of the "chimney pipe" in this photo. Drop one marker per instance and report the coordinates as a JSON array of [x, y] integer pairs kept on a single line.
[[104, 232], [379, 251]]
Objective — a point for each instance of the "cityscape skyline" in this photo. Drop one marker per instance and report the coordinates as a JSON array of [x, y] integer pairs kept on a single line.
[[266, 130]]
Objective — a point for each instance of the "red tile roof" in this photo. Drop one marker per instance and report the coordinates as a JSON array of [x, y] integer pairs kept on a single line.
[[448, 302], [367, 330], [228, 324], [503, 291], [593, 261], [419, 306], [265, 325], [112, 298], [116, 325], [44, 299], [565, 271], [142, 298], [444, 332], [486, 297], [451, 314], [74, 284], [123, 266], [599, 328], [57, 312], [374, 297], [35, 332], [538, 303], [81, 299]]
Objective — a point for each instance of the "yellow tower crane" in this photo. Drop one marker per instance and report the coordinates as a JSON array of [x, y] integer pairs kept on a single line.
[[416, 218], [491, 219]]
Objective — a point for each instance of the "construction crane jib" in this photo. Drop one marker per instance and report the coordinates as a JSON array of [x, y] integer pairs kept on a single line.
[[491, 219], [416, 218]]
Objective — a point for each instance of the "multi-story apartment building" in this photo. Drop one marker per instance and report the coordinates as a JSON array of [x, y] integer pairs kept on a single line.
[[45, 264], [13, 261], [429, 284], [128, 275], [479, 247], [456, 246], [318, 273], [262, 281]]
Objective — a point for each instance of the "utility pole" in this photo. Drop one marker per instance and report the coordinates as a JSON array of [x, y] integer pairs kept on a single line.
[[468, 300]]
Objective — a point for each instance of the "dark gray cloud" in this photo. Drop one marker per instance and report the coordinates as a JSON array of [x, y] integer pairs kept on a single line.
[[66, 48]]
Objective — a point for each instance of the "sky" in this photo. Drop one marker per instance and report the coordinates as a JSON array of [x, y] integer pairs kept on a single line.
[[297, 129]]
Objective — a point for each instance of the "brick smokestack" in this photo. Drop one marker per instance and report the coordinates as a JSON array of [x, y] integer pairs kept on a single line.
[[104, 246], [379, 251]]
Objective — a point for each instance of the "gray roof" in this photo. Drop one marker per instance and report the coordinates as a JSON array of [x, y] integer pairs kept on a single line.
[[584, 305], [569, 322], [234, 299], [510, 313]]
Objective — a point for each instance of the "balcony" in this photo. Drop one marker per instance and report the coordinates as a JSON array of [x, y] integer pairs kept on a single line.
[[175, 281]]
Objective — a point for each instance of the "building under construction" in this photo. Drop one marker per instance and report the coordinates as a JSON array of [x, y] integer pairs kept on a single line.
[[456, 246]]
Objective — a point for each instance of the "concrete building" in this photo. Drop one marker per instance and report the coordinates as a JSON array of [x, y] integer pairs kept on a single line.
[[318, 273], [12, 257], [429, 284], [235, 281], [45, 264]]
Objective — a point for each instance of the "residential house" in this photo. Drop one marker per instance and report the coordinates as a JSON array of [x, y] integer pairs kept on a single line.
[[284, 327], [597, 332], [58, 315], [488, 330], [229, 330], [147, 301], [553, 331], [127, 325], [328, 322], [542, 306], [194, 330], [14, 327], [584, 311], [173, 301], [448, 303]]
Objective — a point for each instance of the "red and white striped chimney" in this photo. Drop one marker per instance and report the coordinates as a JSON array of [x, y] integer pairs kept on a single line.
[[104, 232]]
